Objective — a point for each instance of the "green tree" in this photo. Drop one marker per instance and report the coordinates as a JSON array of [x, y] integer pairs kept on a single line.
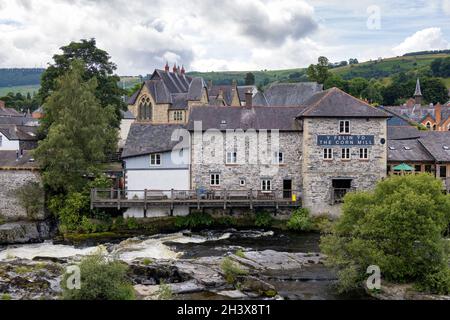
[[80, 136], [335, 80], [440, 67], [249, 79], [398, 227], [319, 72], [434, 90], [101, 279], [356, 86], [372, 92], [96, 64]]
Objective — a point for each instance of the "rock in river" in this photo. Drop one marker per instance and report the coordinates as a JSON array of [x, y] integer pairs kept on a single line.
[[24, 232]]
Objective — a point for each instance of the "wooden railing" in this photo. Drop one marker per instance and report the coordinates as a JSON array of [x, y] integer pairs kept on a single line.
[[200, 198]]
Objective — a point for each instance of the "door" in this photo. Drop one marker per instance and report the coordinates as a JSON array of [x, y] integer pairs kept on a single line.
[[287, 189]]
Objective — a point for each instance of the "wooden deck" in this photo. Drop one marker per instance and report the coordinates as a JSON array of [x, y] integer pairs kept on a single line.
[[123, 199]]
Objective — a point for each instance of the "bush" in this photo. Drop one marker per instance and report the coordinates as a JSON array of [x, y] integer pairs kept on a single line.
[[164, 292], [5, 296], [147, 262], [263, 219], [194, 220], [132, 223], [231, 270], [32, 198], [101, 279], [398, 227], [300, 220], [118, 223]]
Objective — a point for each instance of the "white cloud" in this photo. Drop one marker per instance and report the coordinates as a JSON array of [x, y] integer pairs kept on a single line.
[[446, 6], [426, 39]]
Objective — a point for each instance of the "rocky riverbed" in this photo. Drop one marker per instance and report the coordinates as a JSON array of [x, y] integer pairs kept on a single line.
[[274, 265]]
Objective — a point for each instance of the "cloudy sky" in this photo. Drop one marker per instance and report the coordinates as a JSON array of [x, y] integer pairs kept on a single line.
[[208, 35]]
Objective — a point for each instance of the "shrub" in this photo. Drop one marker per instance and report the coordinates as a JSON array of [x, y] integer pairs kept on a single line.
[[132, 223], [70, 210], [101, 279], [5, 296], [32, 198], [118, 223], [231, 270], [398, 227], [147, 261], [300, 220], [194, 220], [263, 219], [239, 253], [164, 292]]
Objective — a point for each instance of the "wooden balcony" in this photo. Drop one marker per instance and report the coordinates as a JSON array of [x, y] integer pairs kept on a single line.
[[197, 199]]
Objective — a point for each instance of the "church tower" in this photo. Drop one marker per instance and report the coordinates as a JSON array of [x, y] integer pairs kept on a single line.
[[418, 94]]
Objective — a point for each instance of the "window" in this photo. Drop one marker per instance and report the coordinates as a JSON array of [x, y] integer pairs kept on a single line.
[[443, 171], [434, 127], [242, 182], [155, 159], [428, 168], [278, 157], [178, 116], [232, 157], [346, 154], [215, 179], [417, 168], [428, 125], [266, 185], [328, 153], [363, 153], [449, 127], [344, 127]]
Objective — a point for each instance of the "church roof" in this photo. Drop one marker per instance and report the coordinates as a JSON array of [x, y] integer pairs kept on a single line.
[[418, 91], [291, 94], [337, 103]]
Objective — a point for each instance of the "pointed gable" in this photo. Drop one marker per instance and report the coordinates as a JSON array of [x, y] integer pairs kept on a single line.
[[337, 103]]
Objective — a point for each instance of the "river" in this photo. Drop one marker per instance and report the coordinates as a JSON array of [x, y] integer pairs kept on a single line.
[[186, 251]]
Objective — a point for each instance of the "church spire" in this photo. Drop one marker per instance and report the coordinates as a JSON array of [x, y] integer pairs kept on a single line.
[[418, 94]]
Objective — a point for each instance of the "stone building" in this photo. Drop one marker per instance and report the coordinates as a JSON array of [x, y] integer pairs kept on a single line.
[[344, 148]]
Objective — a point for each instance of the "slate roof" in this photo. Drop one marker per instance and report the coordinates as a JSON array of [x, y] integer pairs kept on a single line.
[[407, 151], [8, 159], [419, 112], [336, 103], [403, 132], [24, 121], [242, 90], [16, 132], [179, 101], [195, 89], [227, 91], [437, 143], [127, 115], [258, 118], [291, 94], [9, 112], [260, 100], [149, 138]]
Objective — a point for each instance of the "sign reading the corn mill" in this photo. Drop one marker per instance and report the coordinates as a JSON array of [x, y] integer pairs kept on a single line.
[[350, 140]]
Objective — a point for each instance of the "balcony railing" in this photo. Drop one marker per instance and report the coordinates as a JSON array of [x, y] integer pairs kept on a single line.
[[108, 198]]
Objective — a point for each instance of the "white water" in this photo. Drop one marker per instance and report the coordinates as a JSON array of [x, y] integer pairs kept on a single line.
[[128, 250]]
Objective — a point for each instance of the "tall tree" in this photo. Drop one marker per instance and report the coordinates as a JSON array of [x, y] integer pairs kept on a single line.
[[434, 90], [96, 64], [319, 72], [249, 79], [80, 135]]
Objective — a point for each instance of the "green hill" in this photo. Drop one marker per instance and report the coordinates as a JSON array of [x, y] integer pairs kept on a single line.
[[381, 69]]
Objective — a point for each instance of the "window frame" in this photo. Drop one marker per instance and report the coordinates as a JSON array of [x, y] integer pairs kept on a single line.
[[364, 155], [178, 115], [156, 156], [242, 182], [278, 157], [345, 154], [266, 185], [346, 128], [233, 157], [214, 179], [325, 153]]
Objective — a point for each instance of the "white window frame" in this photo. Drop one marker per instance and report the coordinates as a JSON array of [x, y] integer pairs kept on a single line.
[[242, 182], [266, 185], [154, 157], [327, 153], [231, 157], [278, 157], [344, 155], [214, 179], [178, 115], [364, 153], [345, 124]]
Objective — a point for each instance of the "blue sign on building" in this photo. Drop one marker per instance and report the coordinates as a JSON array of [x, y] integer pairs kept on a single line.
[[344, 141]]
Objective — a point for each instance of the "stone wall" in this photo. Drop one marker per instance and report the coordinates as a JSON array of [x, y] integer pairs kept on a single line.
[[10, 181], [319, 173], [231, 174]]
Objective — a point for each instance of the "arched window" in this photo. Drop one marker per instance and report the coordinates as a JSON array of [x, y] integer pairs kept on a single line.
[[434, 127], [145, 109], [428, 125], [449, 127]]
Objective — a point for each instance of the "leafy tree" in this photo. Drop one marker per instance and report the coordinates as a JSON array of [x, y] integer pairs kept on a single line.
[[353, 61], [335, 80], [441, 67], [249, 79], [80, 136], [398, 227], [356, 86], [434, 90], [101, 279], [372, 92], [96, 64], [319, 72]]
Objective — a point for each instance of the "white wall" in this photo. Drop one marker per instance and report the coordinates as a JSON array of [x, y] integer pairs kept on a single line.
[[8, 145]]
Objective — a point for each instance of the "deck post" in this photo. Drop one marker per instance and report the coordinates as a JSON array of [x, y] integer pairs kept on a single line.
[[118, 199], [225, 199], [172, 201], [251, 198], [275, 198], [145, 199]]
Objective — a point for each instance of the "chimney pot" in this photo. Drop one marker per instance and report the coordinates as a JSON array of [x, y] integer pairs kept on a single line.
[[174, 68], [167, 68], [2, 104]]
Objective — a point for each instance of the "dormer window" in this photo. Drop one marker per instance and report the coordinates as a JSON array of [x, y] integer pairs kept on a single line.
[[155, 160], [344, 127], [178, 116]]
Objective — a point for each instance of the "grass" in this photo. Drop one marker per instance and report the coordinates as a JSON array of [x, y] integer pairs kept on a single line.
[[19, 89]]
